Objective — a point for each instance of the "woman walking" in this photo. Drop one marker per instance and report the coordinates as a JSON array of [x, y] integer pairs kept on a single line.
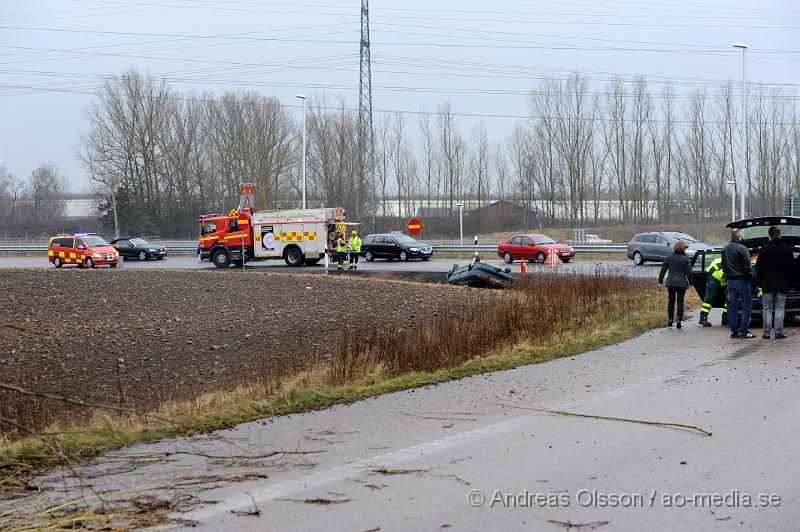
[[678, 279]]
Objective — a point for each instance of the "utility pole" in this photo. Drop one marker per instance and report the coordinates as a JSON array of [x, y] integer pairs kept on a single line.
[[366, 145], [743, 164]]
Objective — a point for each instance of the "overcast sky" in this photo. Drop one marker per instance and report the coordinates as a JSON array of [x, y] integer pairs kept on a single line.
[[481, 56]]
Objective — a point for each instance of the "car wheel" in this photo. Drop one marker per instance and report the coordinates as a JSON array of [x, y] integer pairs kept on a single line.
[[638, 259], [142, 255], [113, 265], [57, 262], [507, 258], [293, 257], [221, 258], [425, 258], [89, 263], [404, 256], [541, 257], [369, 256]]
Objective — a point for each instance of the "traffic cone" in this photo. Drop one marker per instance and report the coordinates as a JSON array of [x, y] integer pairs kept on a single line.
[[553, 259], [522, 267]]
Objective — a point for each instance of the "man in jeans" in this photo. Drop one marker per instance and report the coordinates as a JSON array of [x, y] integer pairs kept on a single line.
[[773, 270], [738, 272]]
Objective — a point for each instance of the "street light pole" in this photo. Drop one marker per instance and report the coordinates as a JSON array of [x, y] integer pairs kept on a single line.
[[461, 222], [732, 183], [302, 97], [743, 164]]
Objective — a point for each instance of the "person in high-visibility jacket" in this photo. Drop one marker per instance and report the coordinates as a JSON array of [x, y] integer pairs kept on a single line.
[[355, 250], [341, 251], [716, 280]]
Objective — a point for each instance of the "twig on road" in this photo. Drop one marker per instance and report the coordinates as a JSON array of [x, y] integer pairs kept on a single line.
[[536, 408]]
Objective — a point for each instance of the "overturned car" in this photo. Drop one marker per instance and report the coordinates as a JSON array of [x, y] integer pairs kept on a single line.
[[480, 275], [754, 231]]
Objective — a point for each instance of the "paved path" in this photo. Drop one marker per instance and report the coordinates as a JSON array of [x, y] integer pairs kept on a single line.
[[452, 457]]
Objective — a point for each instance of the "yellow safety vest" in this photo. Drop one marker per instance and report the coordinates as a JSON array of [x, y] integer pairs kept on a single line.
[[341, 246], [715, 271], [355, 244]]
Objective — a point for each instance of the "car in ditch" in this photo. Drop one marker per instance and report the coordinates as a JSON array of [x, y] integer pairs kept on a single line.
[[138, 248], [754, 231], [479, 274], [534, 247], [394, 246], [654, 246]]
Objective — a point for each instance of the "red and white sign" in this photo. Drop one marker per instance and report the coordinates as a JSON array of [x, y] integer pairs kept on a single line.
[[414, 226]]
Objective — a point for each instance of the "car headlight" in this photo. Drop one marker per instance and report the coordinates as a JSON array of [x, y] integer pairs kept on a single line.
[[414, 249], [96, 255], [151, 250]]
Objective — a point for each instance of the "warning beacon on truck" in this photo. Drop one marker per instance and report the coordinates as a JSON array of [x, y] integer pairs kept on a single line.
[[299, 237]]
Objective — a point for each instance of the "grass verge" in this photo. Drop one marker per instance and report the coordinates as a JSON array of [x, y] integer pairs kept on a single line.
[[545, 318]]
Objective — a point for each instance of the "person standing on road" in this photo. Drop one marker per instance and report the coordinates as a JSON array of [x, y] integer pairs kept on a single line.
[[355, 250], [739, 272], [341, 251], [716, 282], [773, 270], [679, 279]]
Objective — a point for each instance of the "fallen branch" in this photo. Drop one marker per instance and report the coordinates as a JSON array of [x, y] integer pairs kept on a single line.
[[553, 411], [243, 456], [384, 471], [569, 524]]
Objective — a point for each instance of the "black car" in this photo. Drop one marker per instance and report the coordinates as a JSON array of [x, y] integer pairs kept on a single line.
[[394, 246], [754, 231], [138, 248]]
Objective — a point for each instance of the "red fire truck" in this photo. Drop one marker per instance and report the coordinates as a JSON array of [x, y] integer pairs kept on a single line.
[[301, 236]]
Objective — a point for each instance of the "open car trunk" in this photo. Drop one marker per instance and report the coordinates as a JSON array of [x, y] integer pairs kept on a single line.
[[755, 232]]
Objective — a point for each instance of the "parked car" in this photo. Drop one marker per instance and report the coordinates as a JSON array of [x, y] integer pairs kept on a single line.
[[394, 246], [594, 240], [533, 248], [654, 246], [480, 275], [754, 231], [138, 248], [83, 249]]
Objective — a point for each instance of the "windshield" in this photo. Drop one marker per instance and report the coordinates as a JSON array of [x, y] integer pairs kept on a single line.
[[543, 240], [139, 242], [762, 231], [206, 228], [684, 237], [404, 239], [94, 241]]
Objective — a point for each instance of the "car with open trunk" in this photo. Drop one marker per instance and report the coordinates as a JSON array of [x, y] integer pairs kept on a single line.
[[754, 231]]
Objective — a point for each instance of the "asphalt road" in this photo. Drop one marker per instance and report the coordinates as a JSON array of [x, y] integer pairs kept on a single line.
[[453, 456], [434, 265]]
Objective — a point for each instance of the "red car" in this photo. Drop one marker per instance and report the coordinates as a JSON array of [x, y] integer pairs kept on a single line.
[[533, 248]]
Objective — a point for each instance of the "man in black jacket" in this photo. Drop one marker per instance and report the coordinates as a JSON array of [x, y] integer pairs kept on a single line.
[[738, 272], [773, 270]]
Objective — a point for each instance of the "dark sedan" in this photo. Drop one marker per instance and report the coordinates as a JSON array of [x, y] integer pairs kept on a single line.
[[138, 248], [394, 246]]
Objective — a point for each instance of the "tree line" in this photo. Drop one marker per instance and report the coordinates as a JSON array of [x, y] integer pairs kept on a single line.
[[160, 157]]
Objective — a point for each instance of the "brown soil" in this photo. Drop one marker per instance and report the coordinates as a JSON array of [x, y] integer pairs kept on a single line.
[[140, 338]]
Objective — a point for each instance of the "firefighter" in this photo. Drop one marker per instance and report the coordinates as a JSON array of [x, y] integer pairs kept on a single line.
[[716, 280], [355, 250], [341, 251]]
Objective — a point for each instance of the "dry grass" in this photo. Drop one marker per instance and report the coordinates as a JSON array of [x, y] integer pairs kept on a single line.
[[544, 317]]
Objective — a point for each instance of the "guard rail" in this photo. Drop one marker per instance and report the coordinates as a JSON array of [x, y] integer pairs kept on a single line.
[[191, 248]]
